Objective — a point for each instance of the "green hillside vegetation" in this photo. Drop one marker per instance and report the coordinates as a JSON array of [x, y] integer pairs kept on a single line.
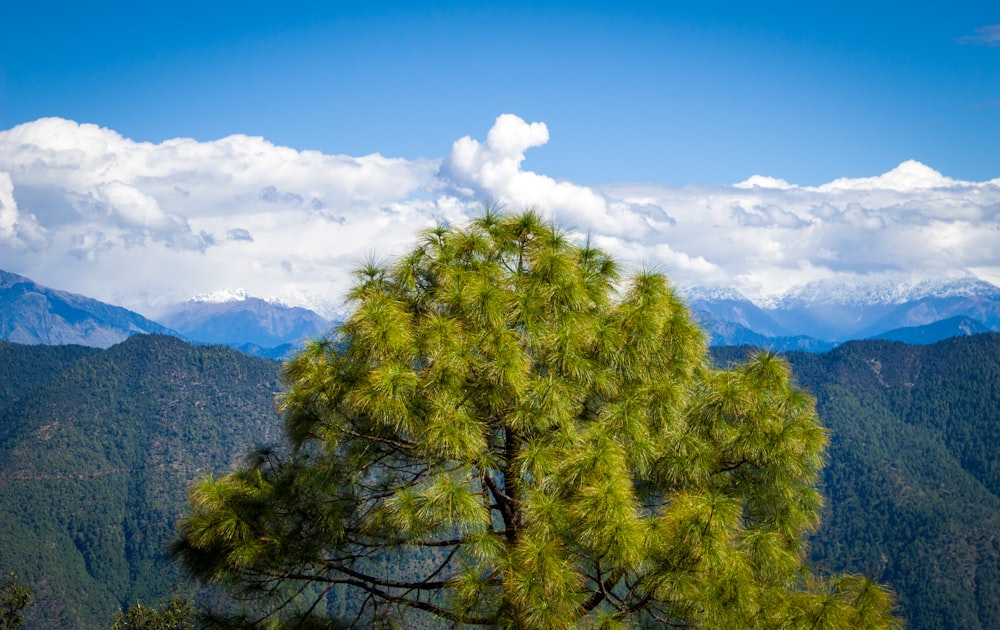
[[25, 368], [97, 448], [912, 482], [96, 452]]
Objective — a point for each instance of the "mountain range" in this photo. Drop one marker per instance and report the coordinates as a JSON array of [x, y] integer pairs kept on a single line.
[[34, 314], [820, 315], [239, 320], [814, 317], [97, 445]]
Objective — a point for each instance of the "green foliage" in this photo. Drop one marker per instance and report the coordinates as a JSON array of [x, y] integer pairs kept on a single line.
[[505, 434], [177, 613], [14, 598]]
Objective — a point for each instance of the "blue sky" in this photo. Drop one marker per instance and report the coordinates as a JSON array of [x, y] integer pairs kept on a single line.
[[152, 152], [672, 93]]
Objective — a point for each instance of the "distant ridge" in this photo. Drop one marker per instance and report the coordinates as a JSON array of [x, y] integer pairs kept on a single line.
[[814, 317], [958, 326], [238, 320], [34, 314]]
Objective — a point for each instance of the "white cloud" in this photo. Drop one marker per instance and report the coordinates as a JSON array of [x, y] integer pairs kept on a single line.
[[17, 230], [761, 181], [908, 176], [493, 171], [145, 225], [162, 222]]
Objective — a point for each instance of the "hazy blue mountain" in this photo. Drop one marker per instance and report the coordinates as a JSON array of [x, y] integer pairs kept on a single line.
[[958, 326], [838, 311], [814, 317], [732, 307], [983, 309], [726, 333], [34, 314], [238, 320]]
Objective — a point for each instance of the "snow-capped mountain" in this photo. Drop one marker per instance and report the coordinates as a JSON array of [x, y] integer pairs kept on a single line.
[[222, 296], [235, 318], [813, 317], [731, 307], [836, 311], [880, 293], [34, 314]]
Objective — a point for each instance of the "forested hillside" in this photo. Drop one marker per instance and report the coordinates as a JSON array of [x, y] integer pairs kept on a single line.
[[96, 451], [912, 482], [97, 448]]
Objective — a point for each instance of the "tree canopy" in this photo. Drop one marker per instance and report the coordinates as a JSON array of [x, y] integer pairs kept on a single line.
[[176, 613], [506, 433], [14, 598]]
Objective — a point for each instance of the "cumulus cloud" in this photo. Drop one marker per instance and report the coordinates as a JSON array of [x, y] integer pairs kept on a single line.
[[17, 230], [162, 222], [908, 176], [145, 225], [493, 170], [766, 235], [762, 181]]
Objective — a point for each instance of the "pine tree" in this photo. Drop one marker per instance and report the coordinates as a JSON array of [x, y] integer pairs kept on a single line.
[[507, 434], [176, 613], [15, 597]]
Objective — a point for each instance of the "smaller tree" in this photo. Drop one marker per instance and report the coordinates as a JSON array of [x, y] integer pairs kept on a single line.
[[14, 598], [177, 613]]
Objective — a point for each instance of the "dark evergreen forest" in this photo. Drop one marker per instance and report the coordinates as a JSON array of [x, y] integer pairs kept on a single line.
[[912, 481], [96, 451], [97, 448]]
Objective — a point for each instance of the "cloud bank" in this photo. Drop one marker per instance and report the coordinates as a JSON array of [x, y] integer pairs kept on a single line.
[[147, 225]]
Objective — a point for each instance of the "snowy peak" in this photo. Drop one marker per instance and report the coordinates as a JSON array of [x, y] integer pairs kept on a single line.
[[968, 286], [882, 293], [329, 308], [715, 293], [837, 310], [227, 296], [221, 296], [235, 318]]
